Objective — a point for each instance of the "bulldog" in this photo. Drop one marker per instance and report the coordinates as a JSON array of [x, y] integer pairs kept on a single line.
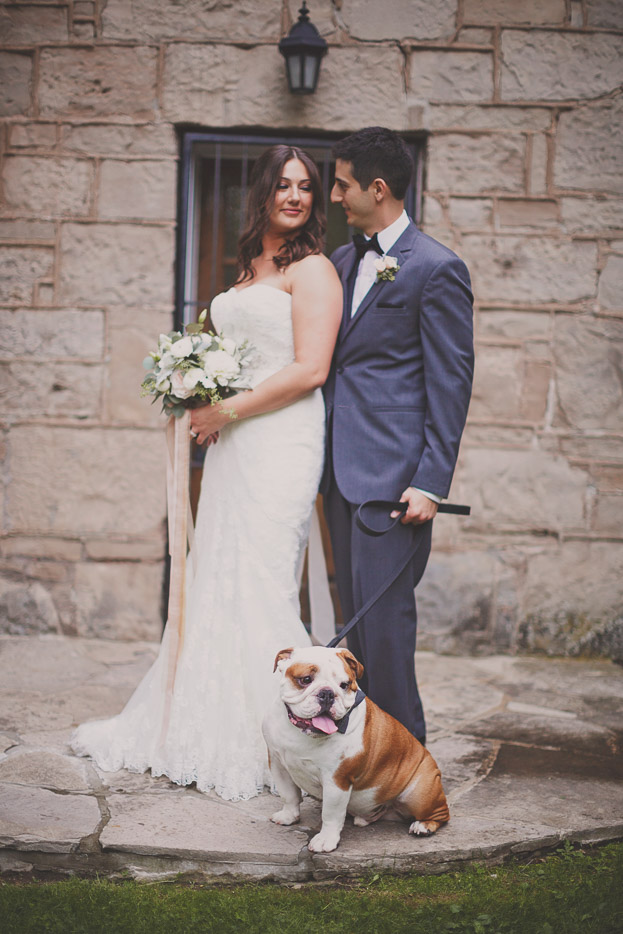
[[326, 737]]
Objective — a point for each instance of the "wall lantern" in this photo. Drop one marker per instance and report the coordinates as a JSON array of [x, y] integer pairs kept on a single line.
[[302, 49]]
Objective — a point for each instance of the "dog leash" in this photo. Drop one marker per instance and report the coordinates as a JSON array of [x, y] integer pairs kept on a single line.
[[379, 508]]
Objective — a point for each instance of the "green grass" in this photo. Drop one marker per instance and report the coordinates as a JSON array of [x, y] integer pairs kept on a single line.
[[566, 893]]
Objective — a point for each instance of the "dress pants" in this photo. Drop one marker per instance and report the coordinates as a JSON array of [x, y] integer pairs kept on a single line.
[[384, 640]]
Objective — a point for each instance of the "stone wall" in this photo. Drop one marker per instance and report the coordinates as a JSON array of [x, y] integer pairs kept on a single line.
[[522, 106]]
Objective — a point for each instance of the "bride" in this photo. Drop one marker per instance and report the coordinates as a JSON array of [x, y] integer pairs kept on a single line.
[[259, 485]]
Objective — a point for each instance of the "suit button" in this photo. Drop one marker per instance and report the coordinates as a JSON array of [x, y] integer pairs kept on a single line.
[[340, 369]]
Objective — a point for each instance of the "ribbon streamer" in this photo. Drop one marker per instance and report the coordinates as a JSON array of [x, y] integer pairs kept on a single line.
[[180, 535]]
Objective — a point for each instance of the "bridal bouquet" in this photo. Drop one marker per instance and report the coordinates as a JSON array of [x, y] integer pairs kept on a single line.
[[194, 368]]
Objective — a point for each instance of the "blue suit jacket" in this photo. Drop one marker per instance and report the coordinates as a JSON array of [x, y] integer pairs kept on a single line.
[[400, 381]]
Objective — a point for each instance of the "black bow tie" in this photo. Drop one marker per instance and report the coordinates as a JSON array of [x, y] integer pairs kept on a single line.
[[362, 245]]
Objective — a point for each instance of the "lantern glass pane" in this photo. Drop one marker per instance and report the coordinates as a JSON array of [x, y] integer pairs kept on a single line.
[[310, 75], [295, 68]]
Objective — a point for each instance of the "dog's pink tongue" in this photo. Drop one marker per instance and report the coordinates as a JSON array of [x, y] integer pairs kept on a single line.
[[325, 724]]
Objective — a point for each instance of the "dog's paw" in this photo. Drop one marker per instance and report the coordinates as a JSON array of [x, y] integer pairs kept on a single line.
[[324, 842], [423, 828], [360, 821], [286, 816]]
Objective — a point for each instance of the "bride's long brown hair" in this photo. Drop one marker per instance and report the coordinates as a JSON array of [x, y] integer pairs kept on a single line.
[[265, 177]]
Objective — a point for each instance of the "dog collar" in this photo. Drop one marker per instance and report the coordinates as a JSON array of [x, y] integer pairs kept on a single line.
[[306, 726], [343, 723]]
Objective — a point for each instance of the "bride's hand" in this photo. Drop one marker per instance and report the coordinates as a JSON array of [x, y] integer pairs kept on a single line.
[[207, 421]]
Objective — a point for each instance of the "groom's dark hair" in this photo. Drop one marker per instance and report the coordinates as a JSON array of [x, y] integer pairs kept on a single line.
[[376, 152]]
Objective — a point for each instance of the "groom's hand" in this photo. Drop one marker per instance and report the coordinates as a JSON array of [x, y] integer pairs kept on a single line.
[[421, 508]]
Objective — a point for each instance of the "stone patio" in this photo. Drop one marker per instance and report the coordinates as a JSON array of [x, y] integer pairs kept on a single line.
[[530, 750]]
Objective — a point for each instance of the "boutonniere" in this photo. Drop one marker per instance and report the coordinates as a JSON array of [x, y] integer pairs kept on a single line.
[[386, 268]]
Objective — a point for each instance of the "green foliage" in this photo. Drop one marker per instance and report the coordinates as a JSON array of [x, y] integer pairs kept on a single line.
[[570, 892]]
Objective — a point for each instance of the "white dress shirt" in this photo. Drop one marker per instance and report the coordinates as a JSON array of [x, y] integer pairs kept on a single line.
[[366, 277], [366, 273]]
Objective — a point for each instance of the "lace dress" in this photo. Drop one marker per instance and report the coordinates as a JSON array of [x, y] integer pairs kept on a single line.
[[258, 489]]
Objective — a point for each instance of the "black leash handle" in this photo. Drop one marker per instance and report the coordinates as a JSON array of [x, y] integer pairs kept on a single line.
[[379, 509]]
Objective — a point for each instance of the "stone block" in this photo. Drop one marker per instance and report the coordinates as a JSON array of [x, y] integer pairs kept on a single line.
[[197, 826], [519, 212], [523, 490], [88, 480], [26, 607], [497, 383], [110, 140], [471, 164], [132, 334], [588, 215], [433, 212], [83, 30], [38, 819], [32, 136], [137, 189], [40, 390], [117, 264], [110, 549], [473, 35], [102, 81], [509, 13], [40, 185], [44, 769], [607, 14], [20, 269], [119, 600], [15, 83], [21, 231], [530, 269], [608, 514], [559, 66], [242, 20], [456, 599], [52, 334], [610, 291], [608, 479], [217, 85], [57, 548], [588, 147], [537, 174], [589, 373], [27, 25], [486, 117], [570, 589], [471, 212], [514, 325], [402, 19], [537, 379], [450, 77]]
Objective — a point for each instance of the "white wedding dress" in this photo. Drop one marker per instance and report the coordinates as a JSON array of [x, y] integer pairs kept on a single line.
[[258, 490]]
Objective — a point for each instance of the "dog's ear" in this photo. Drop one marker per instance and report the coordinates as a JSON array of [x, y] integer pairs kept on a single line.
[[283, 656], [349, 659]]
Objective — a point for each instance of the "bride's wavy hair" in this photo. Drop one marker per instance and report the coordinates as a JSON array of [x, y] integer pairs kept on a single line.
[[265, 178]]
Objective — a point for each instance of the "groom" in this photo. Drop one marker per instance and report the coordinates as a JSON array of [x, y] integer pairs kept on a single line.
[[396, 398]]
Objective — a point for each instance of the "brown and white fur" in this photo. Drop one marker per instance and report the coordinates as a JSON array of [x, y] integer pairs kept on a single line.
[[375, 766]]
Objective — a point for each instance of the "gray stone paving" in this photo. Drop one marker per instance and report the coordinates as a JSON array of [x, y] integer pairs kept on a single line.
[[531, 751]]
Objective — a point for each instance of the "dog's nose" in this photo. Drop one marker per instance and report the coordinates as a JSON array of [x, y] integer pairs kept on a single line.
[[326, 697]]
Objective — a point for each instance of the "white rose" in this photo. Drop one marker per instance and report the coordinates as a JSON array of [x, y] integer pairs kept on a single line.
[[182, 348], [194, 376], [177, 386], [379, 264], [391, 262], [221, 367], [229, 346]]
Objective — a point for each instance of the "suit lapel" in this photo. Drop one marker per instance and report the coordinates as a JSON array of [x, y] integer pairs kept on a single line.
[[348, 276], [403, 248]]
